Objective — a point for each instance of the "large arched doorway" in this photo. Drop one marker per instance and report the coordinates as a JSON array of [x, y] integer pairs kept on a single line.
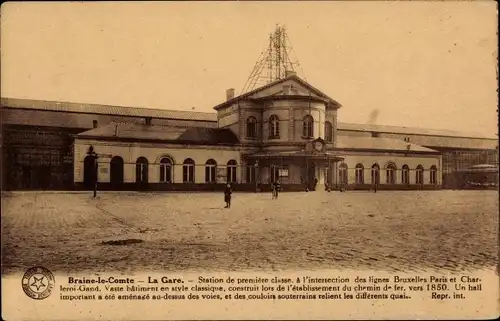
[[116, 171], [88, 172], [141, 170]]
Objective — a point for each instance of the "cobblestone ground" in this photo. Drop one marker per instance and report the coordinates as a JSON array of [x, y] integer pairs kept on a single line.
[[391, 231]]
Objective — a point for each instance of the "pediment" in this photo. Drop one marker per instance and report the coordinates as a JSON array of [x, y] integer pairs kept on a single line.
[[285, 88], [290, 86]]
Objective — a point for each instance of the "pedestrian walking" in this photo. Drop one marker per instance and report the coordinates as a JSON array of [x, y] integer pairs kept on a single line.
[[227, 195], [275, 189]]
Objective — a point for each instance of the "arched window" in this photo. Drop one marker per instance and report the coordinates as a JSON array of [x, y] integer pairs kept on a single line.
[[141, 170], [274, 127], [116, 170], [251, 127], [166, 169], [231, 171], [307, 129], [343, 174], [188, 171], [433, 174], [360, 179], [210, 169], [405, 174], [375, 174], [328, 132], [390, 174], [419, 175]]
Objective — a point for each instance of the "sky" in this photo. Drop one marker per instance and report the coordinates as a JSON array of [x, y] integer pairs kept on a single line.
[[417, 64]]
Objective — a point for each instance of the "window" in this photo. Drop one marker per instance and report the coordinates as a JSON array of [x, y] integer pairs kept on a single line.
[[343, 174], [433, 173], [166, 165], [419, 175], [250, 174], [307, 130], [390, 173], [375, 174], [360, 174], [283, 171], [210, 169], [251, 127], [141, 170], [405, 174], [231, 171], [328, 132], [188, 171], [274, 127]]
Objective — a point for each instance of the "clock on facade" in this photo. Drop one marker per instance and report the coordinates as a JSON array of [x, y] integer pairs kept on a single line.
[[318, 146]]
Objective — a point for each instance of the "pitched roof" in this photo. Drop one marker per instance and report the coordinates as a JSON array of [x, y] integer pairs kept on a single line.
[[106, 109], [379, 143], [408, 130], [194, 135], [212, 117], [279, 81]]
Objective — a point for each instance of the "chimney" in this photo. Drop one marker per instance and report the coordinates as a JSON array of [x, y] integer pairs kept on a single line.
[[290, 73], [230, 93]]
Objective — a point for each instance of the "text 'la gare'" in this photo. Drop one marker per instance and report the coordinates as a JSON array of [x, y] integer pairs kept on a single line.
[[164, 279]]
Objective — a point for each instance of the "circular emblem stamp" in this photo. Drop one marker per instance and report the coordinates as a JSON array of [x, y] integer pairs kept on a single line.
[[38, 283]]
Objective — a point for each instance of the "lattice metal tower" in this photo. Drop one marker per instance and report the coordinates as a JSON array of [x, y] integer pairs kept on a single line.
[[274, 62]]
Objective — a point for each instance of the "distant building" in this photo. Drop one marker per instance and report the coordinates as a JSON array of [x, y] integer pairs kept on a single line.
[[286, 130]]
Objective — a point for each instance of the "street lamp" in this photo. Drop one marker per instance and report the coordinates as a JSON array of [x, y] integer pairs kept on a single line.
[[93, 155], [256, 166]]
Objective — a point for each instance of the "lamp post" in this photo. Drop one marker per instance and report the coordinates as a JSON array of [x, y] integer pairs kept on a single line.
[[94, 158], [256, 167]]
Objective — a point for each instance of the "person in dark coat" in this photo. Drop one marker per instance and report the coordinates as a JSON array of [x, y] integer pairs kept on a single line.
[[276, 189], [227, 195]]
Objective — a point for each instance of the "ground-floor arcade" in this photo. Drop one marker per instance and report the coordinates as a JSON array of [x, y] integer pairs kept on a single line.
[[169, 166]]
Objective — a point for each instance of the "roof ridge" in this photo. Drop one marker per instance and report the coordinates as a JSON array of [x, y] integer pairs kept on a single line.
[[101, 105]]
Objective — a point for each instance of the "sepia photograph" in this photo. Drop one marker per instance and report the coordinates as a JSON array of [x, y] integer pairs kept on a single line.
[[264, 139]]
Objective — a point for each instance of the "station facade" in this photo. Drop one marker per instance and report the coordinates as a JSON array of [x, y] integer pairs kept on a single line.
[[287, 131]]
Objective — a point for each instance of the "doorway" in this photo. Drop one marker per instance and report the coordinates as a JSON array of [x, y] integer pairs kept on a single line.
[[88, 172], [116, 171]]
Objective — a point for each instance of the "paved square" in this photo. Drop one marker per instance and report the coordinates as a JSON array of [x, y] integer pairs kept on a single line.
[[403, 230]]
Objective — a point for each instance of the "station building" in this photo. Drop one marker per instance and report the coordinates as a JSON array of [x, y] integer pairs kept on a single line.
[[287, 130]]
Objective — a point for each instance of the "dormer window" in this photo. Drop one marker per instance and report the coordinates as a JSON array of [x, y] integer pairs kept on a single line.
[[307, 130], [274, 127]]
